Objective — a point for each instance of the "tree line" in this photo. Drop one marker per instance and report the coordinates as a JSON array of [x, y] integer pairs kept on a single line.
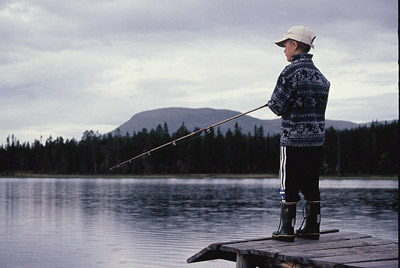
[[371, 150]]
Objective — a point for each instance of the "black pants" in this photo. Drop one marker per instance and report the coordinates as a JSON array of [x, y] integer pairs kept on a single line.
[[299, 172]]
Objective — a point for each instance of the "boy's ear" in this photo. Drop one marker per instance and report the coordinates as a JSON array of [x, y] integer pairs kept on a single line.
[[295, 45]]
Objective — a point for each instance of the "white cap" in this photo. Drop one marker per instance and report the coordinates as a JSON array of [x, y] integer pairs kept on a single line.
[[298, 33]]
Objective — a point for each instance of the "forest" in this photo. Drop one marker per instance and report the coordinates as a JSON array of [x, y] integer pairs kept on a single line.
[[365, 150]]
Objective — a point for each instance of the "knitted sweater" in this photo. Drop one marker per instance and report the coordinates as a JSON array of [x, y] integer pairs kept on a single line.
[[300, 97]]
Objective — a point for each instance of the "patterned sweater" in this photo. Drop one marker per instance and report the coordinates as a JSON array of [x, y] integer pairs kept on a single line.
[[300, 97]]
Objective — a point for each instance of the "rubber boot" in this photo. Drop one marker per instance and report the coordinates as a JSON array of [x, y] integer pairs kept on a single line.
[[311, 221], [286, 226]]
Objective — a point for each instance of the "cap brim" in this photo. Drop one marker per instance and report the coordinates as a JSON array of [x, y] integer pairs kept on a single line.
[[280, 42]]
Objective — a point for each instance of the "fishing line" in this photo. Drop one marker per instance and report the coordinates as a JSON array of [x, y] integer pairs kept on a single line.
[[175, 141]]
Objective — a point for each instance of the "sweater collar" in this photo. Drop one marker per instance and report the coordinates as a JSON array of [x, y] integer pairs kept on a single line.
[[302, 56]]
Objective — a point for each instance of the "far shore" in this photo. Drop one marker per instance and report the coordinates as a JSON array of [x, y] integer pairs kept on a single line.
[[189, 176]]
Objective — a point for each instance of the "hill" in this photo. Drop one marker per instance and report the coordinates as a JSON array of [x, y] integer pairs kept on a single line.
[[203, 117]]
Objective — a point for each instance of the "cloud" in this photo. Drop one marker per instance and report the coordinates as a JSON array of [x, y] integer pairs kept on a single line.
[[69, 66], [360, 109]]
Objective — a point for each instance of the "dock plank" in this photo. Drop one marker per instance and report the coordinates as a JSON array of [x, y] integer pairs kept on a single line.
[[326, 262], [306, 256], [333, 249], [208, 254], [332, 246], [374, 264], [269, 247]]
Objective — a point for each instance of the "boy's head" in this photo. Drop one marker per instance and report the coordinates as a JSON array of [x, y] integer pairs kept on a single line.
[[298, 39]]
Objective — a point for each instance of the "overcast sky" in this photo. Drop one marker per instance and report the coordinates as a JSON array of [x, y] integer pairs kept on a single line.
[[76, 65]]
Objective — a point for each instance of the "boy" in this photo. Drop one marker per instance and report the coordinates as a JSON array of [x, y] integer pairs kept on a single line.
[[300, 98]]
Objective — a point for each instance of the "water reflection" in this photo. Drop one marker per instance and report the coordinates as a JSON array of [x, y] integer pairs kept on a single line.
[[161, 222]]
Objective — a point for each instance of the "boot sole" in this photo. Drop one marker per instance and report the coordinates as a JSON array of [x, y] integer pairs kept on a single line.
[[287, 238]]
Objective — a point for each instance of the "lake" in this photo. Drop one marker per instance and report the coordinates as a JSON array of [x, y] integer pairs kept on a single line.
[[162, 222]]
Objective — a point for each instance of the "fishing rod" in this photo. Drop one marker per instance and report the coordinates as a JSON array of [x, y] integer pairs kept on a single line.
[[186, 136]]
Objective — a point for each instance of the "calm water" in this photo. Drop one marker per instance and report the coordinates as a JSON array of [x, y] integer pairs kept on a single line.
[[161, 222]]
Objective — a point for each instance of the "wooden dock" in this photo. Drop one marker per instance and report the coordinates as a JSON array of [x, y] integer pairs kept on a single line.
[[333, 249]]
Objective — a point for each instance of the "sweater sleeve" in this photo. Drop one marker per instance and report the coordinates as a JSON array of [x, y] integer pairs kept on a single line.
[[281, 98]]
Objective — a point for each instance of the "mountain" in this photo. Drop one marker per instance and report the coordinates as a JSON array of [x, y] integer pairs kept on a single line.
[[203, 117]]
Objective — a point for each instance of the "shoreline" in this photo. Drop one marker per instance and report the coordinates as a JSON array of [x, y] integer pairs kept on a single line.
[[186, 176]]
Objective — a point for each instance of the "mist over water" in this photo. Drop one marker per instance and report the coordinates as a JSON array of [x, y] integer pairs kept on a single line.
[[162, 222]]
